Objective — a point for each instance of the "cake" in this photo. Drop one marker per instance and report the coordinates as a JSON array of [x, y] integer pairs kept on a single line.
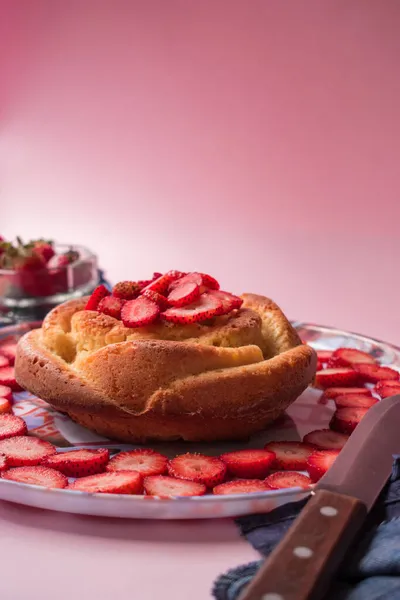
[[172, 358]]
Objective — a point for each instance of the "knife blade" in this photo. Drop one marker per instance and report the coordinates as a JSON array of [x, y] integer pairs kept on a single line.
[[304, 562]]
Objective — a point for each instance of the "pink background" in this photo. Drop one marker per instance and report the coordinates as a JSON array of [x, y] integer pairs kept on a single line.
[[258, 140]]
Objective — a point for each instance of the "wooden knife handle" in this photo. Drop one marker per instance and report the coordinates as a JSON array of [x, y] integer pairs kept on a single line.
[[303, 563]]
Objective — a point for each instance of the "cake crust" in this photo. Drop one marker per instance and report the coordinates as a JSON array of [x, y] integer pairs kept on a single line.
[[224, 380]]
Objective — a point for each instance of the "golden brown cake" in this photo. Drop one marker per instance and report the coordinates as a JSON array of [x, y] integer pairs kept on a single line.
[[224, 378]]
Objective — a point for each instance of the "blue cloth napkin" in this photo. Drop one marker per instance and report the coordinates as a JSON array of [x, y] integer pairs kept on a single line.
[[371, 570]]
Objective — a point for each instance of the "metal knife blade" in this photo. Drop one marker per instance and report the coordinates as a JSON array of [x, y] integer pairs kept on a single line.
[[365, 463], [304, 562]]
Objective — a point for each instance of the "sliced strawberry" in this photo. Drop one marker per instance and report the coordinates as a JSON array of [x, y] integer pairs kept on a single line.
[[117, 482], [25, 450], [111, 306], [320, 365], [6, 392], [324, 355], [375, 373], [228, 301], [98, 294], [348, 357], [144, 461], [43, 476], [336, 377], [287, 479], [139, 312], [8, 349], [249, 464], [7, 378], [290, 455], [184, 293], [79, 463], [126, 290], [198, 468], [188, 278], [162, 284], [10, 426], [159, 299], [241, 486], [355, 401], [169, 487], [326, 439], [333, 392], [209, 282], [384, 389], [346, 419], [320, 462], [3, 462], [4, 362], [204, 308], [5, 406], [385, 383]]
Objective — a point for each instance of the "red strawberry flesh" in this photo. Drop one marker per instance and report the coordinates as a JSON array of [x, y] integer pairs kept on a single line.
[[228, 301], [287, 479], [169, 487], [3, 462], [79, 463], [159, 299], [145, 461], [248, 464], [11, 426], [38, 475], [290, 455], [25, 450], [117, 482], [204, 308], [384, 389], [341, 376], [184, 293], [7, 378], [320, 462], [242, 486], [346, 419], [111, 306], [6, 392], [326, 439], [139, 312], [98, 294], [355, 401], [374, 373], [348, 357], [4, 362], [331, 393], [8, 349], [199, 468]]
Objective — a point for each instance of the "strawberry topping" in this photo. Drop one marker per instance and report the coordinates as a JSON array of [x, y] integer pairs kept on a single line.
[[204, 308], [126, 290], [111, 306], [117, 482], [98, 294], [139, 312], [79, 463], [159, 299], [184, 293], [355, 401]]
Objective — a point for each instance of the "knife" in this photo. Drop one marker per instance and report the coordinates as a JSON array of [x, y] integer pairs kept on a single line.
[[304, 562]]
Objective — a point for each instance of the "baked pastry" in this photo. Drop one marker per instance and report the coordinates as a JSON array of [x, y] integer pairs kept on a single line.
[[217, 368]]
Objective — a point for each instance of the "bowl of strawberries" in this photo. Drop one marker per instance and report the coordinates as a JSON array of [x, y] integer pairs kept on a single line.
[[37, 275]]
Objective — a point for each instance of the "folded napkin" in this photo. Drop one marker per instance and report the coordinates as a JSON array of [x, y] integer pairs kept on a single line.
[[371, 570]]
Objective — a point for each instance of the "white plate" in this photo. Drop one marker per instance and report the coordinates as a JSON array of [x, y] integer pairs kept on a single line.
[[306, 414]]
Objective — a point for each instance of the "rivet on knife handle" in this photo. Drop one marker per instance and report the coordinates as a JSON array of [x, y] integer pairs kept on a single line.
[[302, 565]]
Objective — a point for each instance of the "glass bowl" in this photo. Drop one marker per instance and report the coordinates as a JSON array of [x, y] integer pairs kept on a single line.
[[29, 295]]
